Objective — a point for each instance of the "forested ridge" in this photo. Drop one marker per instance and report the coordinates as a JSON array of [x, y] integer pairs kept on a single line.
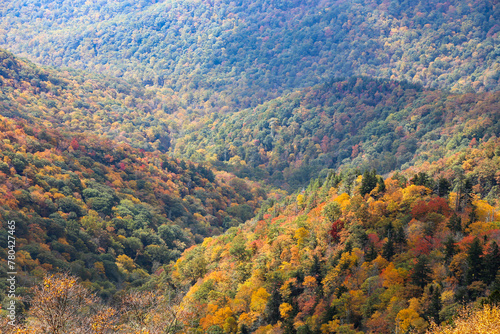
[[84, 103], [222, 54], [358, 122], [356, 253], [105, 212]]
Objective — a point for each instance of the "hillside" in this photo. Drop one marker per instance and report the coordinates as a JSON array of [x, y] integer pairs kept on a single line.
[[106, 212], [85, 103], [237, 54], [355, 253], [357, 122]]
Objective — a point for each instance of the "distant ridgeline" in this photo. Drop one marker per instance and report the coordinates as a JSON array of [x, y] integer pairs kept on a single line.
[[357, 122], [237, 54]]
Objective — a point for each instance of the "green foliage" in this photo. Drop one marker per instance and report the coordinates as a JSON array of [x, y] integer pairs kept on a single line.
[[369, 182], [359, 122], [251, 52]]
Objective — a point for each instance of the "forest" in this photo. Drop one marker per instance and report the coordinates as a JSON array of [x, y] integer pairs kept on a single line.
[[220, 54], [357, 122], [214, 166], [110, 214]]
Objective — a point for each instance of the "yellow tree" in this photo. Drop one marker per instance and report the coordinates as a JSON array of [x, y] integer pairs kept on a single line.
[[60, 304]]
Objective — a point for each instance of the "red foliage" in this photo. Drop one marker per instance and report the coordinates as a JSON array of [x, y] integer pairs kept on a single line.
[[375, 240], [306, 303], [464, 244], [337, 226], [423, 247], [355, 151], [74, 144], [437, 205]]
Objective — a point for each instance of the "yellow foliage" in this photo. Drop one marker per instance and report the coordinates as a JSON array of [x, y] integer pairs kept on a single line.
[[409, 318], [343, 199], [309, 282], [300, 235], [264, 329], [413, 192], [259, 300], [245, 319], [300, 200], [393, 276], [485, 212], [125, 262], [472, 321], [216, 317], [477, 228], [99, 266], [330, 327], [285, 310]]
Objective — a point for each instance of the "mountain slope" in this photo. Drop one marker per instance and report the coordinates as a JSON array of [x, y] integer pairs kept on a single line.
[[355, 254], [84, 103], [238, 54], [358, 122], [104, 211]]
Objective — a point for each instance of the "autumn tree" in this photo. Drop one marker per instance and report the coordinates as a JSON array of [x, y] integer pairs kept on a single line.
[[61, 305]]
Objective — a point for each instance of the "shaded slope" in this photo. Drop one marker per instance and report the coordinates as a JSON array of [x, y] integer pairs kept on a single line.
[[359, 122]]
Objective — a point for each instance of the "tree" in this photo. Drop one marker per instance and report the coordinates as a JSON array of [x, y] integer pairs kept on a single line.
[[455, 223], [491, 263], [449, 248], [60, 304], [474, 261], [369, 182], [422, 179], [137, 306], [443, 187], [421, 272], [388, 249]]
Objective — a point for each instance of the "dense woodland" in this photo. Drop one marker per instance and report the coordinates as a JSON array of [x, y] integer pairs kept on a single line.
[[230, 54], [108, 213], [251, 167], [359, 122], [355, 253]]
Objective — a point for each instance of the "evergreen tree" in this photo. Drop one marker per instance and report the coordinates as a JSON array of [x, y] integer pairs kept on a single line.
[[475, 270], [491, 263], [371, 253], [455, 223], [422, 179], [449, 249], [381, 185], [421, 272], [272, 311], [443, 187], [388, 250], [432, 312], [369, 182]]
